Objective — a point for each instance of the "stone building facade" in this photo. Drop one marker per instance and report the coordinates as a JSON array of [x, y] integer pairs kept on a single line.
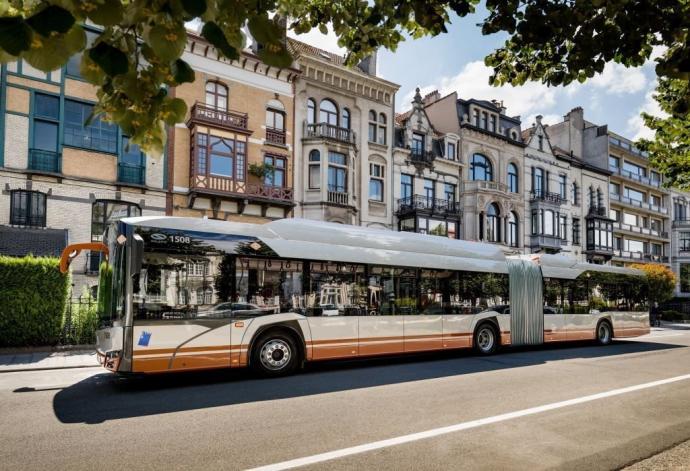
[[63, 180], [343, 139]]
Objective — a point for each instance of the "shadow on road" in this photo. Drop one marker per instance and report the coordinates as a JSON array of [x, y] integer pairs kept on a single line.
[[107, 396]]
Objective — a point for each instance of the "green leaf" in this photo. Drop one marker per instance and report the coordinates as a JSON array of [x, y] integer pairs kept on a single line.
[[263, 29], [48, 54], [194, 7], [109, 58], [215, 36], [91, 71], [182, 72], [15, 35], [275, 55], [168, 43], [108, 13], [52, 19], [173, 110]]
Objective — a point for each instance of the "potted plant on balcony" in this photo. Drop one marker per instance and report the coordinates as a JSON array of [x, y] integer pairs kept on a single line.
[[261, 171]]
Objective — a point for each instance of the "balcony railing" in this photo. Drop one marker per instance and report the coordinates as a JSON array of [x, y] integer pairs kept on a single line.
[[238, 189], [546, 241], [270, 192], [226, 119], [681, 222], [415, 203], [423, 157], [638, 203], [128, 173], [44, 161], [473, 185], [640, 256], [329, 131], [626, 145], [547, 197], [635, 176], [639, 230], [275, 136], [338, 197]]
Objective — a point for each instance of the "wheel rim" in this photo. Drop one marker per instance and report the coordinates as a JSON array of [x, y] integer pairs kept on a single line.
[[485, 339], [604, 333], [275, 354]]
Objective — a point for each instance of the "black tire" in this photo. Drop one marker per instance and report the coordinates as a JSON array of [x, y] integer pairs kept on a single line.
[[486, 339], [604, 333], [280, 352]]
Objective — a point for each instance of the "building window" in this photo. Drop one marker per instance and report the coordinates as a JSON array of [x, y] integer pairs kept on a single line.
[[634, 170], [43, 155], [536, 229], [104, 212], [345, 120], [485, 124], [429, 191], [27, 208], [684, 241], [614, 162], [220, 156], [98, 135], [376, 176], [512, 230], [217, 96], [372, 126], [382, 129], [563, 227], [576, 194], [328, 112], [475, 113], [493, 227], [655, 177], [549, 224], [576, 231], [493, 123], [131, 164], [538, 186], [73, 66], [655, 200], [563, 186], [277, 176], [451, 151], [541, 142], [449, 192], [480, 168], [314, 169], [634, 195], [600, 235], [311, 111], [614, 189], [630, 219], [418, 144], [513, 178], [275, 119], [685, 277], [406, 186], [337, 172], [632, 245]]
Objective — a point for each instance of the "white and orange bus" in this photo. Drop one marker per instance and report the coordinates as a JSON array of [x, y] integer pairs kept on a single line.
[[186, 294]]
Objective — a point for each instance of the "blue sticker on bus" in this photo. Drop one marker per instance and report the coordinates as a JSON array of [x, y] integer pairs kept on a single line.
[[144, 339]]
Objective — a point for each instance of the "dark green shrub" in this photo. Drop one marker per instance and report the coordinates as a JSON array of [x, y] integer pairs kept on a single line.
[[33, 296], [83, 320]]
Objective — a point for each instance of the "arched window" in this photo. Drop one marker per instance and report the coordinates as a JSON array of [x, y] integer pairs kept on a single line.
[[345, 119], [512, 236], [372, 126], [314, 169], [311, 111], [480, 168], [217, 96], [275, 119], [493, 228], [328, 112], [513, 178], [208, 296], [382, 129]]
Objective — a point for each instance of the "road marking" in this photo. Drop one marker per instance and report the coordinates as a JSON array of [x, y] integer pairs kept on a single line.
[[343, 452]]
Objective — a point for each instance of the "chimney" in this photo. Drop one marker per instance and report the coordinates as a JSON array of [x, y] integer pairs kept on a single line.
[[432, 97], [499, 104]]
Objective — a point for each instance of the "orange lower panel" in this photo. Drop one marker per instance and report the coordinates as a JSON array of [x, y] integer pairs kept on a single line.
[[552, 336], [423, 344], [201, 361], [150, 365], [373, 347], [457, 342], [326, 352], [585, 334], [633, 332]]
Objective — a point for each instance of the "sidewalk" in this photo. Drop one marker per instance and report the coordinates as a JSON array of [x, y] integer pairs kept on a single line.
[[27, 361], [675, 458]]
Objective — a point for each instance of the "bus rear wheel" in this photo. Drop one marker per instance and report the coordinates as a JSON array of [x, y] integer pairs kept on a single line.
[[604, 333], [275, 354], [485, 339]]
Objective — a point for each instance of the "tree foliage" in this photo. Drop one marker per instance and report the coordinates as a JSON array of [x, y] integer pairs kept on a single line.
[[661, 281], [138, 54]]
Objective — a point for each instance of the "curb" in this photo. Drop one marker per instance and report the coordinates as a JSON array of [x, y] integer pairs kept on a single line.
[[56, 349], [24, 370]]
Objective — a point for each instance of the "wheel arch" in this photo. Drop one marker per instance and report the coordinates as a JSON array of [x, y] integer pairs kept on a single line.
[[493, 321], [609, 321], [291, 327]]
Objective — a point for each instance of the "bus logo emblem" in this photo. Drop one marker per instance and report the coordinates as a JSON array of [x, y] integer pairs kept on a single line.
[[144, 339], [158, 237]]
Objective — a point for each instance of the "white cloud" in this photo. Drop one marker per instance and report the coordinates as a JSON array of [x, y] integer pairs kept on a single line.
[[619, 80], [636, 126]]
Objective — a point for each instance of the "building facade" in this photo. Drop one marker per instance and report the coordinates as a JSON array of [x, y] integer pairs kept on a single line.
[[343, 139], [680, 242], [63, 180], [233, 158]]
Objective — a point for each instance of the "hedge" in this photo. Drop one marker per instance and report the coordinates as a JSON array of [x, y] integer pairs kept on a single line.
[[33, 297]]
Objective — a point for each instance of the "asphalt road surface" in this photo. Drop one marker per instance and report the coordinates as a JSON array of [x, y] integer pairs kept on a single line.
[[556, 407]]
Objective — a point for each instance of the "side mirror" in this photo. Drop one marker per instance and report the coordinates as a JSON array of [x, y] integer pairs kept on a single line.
[[136, 254]]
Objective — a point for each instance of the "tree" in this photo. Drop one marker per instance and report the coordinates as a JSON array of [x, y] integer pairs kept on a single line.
[[138, 53], [661, 281]]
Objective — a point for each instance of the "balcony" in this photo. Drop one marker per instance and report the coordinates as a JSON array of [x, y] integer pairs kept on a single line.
[[340, 198], [637, 203], [549, 242], [330, 132], [547, 197], [428, 206], [223, 119], [422, 157], [639, 256], [635, 177], [45, 161], [640, 230], [228, 188], [131, 174], [628, 147], [275, 136], [681, 223], [474, 185]]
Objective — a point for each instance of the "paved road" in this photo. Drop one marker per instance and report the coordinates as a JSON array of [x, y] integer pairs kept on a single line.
[[507, 412]]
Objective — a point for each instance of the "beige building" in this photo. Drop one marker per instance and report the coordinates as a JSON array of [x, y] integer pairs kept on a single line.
[[233, 158], [63, 180], [343, 139]]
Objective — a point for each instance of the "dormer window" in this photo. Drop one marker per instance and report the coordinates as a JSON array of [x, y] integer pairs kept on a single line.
[[450, 155], [417, 143], [541, 142]]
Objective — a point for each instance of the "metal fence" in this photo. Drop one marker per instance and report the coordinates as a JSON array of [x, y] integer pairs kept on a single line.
[[77, 328]]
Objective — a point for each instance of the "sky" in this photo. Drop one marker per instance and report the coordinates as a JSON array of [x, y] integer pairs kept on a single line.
[[455, 62]]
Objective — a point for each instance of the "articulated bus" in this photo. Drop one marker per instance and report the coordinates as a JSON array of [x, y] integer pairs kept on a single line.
[[181, 294]]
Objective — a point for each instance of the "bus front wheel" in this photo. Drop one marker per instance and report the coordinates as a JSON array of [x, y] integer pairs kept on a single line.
[[485, 339], [275, 354], [604, 333]]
